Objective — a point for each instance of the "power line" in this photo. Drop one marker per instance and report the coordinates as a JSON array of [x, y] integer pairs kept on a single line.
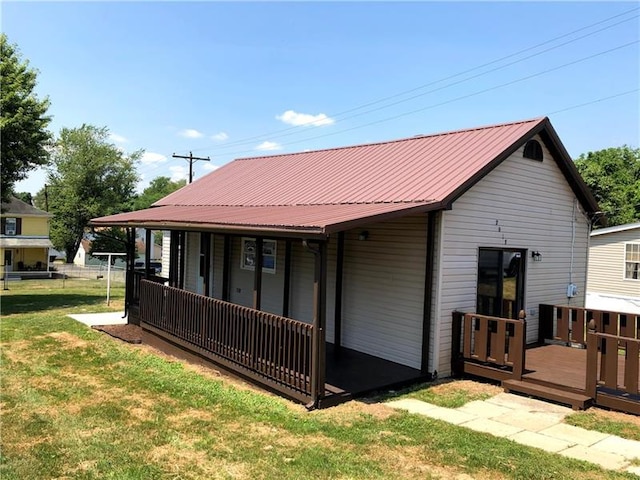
[[462, 97], [282, 132]]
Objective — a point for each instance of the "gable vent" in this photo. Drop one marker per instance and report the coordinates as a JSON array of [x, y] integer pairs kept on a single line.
[[533, 150]]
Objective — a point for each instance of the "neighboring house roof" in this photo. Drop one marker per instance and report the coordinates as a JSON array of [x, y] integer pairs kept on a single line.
[[17, 207], [617, 228], [331, 190]]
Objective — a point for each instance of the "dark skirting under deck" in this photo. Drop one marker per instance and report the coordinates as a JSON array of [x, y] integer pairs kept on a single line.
[[351, 373]]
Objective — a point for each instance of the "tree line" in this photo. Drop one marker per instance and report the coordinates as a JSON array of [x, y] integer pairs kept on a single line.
[[88, 176]]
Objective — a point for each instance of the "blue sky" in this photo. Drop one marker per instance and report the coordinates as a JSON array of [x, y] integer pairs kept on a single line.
[[230, 80]]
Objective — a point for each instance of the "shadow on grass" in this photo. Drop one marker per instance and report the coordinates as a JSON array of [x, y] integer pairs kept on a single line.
[[16, 304]]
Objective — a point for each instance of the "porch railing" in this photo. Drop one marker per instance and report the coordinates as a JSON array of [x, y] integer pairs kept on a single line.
[[492, 347], [613, 381], [570, 324], [136, 278], [269, 348]]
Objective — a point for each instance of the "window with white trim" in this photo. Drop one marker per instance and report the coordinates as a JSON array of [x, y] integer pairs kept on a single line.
[[248, 256], [632, 261]]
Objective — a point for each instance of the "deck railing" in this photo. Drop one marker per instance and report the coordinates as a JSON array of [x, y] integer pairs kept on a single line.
[[267, 347], [570, 324], [493, 347], [614, 382]]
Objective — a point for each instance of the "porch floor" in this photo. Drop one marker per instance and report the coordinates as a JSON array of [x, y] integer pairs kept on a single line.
[[351, 373]]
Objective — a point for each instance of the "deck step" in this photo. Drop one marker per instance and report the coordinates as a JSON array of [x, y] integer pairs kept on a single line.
[[576, 400]]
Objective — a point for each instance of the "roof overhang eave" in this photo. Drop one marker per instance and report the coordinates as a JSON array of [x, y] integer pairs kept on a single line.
[[382, 217], [235, 229]]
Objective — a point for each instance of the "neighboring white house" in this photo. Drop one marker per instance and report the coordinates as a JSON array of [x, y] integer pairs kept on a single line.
[[613, 281]]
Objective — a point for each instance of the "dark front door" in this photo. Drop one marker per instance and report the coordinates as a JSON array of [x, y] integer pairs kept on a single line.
[[500, 282]]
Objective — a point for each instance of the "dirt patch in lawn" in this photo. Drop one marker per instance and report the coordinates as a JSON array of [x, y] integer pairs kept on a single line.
[[473, 388], [69, 340], [127, 333]]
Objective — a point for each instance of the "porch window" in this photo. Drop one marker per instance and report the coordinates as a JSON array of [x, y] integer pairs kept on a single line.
[[632, 261], [248, 257]]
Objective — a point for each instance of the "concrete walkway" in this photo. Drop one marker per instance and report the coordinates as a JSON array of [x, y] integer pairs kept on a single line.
[[108, 318], [536, 424]]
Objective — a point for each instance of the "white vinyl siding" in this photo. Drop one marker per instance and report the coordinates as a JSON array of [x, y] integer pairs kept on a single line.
[[383, 290], [521, 204], [607, 263], [192, 262]]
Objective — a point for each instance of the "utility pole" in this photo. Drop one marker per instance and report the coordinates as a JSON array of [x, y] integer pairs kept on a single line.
[[191, 159]]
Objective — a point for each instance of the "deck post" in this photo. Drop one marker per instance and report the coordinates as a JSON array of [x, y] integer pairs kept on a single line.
[[130, 248], [257, 275], [428, 294], [337, 330], [226, 270], [592, 364], [182, 258], [286, 294], [147, 253], [318, 360]]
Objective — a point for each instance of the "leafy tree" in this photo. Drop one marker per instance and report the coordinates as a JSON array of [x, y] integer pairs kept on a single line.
[[23, 119], [88, 177], [159, 188], [110, 239], [613, 175]]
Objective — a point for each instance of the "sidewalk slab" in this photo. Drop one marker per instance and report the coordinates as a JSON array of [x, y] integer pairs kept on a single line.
[[518, 402], [576, 435], [543, 442], [487, 425], [483, 409], [606, 460], [107, 318], [621, 446], [532, 421], [449, 415]]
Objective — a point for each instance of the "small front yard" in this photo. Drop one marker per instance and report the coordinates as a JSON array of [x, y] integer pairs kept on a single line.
[[79, 404]]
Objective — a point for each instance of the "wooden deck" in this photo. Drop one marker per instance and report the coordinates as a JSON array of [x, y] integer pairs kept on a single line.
[[557, 365], [604, 372]]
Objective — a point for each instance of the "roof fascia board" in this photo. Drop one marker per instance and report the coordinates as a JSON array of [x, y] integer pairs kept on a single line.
[[382, 217], [558, 152], [312, 232], [506, 153]]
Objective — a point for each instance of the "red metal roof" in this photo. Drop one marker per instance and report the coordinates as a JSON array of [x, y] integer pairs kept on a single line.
[[330, 190], [425, 168]]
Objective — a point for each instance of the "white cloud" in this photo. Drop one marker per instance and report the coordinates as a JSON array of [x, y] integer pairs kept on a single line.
[[304, 119], [210, 167], [190, 133], [269, 146], [151, 157], [220, 137], [178, 172], [114, 137]]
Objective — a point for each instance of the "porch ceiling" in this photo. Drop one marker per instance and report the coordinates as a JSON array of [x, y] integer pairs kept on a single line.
[[282, 219]]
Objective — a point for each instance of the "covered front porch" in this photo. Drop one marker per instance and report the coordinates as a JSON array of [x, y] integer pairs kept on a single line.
[[583, 357], [282, 354]]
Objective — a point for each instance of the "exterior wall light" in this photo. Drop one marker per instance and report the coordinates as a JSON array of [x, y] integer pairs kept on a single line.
[[536, 255], [364, 235]]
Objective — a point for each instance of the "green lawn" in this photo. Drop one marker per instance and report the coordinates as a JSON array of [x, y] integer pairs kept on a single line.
[[79, 404]]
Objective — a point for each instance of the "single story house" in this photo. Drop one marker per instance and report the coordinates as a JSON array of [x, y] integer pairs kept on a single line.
[[613, 280], [360, 254], [24, 239]]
